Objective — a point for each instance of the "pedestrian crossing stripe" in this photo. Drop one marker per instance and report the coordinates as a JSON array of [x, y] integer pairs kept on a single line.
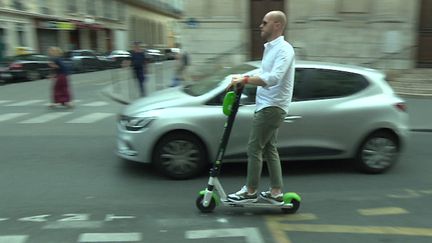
[[46, 117], [27, 102], [96, 103], [10, 116], [14, 103], [13, 238], [90, 118]]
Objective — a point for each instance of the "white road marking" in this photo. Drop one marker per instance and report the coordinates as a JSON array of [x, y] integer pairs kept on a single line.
[[110, 237], [10, 116], [96, 103], [252, 235], [5, 101], [91, 118], [37, 218], [222, 220], [73, 102], [111, 217], [74, 217], [46, 117], [74, 225], [24, 103], [13, 238]]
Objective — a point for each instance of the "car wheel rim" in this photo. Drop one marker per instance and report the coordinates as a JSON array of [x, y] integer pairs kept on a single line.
[[379, 153], [180, 157]]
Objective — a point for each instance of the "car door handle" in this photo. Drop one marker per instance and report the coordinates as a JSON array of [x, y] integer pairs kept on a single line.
[[291, 118]]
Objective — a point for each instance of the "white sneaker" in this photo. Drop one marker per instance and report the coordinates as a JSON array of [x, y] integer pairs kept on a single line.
[[243, 196], [273, 199]]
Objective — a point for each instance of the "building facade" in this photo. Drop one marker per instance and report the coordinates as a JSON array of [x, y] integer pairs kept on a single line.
[[385, 34], [100, 25]]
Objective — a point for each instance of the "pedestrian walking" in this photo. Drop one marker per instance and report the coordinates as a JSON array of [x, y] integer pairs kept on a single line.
[[139, 63], [61, 94], [274, 92]]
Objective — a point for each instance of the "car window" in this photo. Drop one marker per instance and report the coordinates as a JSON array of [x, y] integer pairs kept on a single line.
[[212, 81], [249, 92], [86, 53], [325, 84], [75, 54]]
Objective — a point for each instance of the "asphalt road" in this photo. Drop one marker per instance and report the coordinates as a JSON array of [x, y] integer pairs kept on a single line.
[[61, 182]]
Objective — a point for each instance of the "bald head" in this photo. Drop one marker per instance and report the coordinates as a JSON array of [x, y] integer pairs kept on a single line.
[[278, 16], [273, 25]]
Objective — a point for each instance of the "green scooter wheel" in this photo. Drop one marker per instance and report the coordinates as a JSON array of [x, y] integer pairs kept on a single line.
[[202, 208], [296, 206]]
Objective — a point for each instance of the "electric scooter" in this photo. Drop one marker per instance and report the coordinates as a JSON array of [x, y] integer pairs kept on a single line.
[[214, 194]]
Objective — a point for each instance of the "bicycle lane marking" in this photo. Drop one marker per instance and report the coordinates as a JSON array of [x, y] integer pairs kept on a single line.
[[279, 229], [277, 232]]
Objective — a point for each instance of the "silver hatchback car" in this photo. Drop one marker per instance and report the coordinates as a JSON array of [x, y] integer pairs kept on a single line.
[[338, 112]]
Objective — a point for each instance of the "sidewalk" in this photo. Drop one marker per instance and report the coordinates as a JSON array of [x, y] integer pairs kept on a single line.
[[124, 88], [412, 82]]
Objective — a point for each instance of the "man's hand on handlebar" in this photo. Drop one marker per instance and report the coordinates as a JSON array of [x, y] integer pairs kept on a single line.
[[236, 81]]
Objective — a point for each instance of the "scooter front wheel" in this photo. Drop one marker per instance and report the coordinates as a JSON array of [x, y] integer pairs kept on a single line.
[[205, 209], [295, 207]]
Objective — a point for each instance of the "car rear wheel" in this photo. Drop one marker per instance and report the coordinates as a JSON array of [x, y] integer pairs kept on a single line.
[[377, 153], [180, 156]]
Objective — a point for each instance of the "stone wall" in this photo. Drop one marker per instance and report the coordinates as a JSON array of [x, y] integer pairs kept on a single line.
[[374, 33]]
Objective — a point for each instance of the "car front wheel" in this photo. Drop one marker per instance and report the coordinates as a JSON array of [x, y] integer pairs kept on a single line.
[[180, 156], [378, 153]]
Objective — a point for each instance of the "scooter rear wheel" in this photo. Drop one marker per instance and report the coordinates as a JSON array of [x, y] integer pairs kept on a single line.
[[202, 208], [296, 206]]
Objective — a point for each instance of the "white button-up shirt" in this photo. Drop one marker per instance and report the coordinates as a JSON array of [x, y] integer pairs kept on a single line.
[[277, 71]]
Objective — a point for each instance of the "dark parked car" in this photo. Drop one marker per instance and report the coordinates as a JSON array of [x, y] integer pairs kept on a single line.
[[85, 61], [24, 67]]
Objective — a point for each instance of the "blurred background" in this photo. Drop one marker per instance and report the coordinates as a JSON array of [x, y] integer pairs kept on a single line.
[[60, 180], [385, 34]]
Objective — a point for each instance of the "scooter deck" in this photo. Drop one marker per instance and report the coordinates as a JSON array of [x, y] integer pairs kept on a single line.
[[256, 204]]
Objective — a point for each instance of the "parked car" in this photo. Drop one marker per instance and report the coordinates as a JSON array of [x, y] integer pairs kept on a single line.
[[338, 112], [25, 67], [117, 57], [84, 61], [171, 53], [154, 55]]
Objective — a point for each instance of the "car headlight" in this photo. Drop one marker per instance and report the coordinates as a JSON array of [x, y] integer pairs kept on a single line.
[[135, 123]]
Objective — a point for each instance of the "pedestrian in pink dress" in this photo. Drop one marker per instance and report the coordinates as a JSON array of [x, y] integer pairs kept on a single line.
[[61, 94]]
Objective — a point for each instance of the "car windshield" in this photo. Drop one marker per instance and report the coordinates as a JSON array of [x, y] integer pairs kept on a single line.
[[210, 82]]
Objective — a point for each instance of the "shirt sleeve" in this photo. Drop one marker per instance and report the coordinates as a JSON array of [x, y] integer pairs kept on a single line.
[[281, 65]]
